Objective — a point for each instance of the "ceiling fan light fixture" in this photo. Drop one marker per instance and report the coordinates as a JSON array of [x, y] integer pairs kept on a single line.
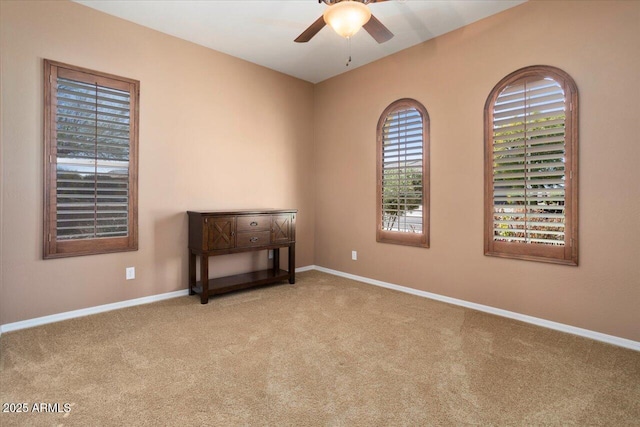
[[347, 17]]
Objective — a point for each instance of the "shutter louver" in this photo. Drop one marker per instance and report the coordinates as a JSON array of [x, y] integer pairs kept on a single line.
[[92, 169], [402, 171], [529, 163]]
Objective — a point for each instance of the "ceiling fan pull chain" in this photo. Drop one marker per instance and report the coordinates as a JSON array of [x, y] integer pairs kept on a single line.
[[349, 60]]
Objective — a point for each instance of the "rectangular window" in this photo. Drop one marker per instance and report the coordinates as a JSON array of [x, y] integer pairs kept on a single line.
[[91, 162]]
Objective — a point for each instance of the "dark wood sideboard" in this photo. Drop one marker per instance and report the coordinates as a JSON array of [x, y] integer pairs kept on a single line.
[[214, 233]]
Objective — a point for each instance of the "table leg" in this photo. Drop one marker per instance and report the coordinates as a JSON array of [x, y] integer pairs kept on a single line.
[[204, 277], [192, 272], [292, 263], [276, 261]]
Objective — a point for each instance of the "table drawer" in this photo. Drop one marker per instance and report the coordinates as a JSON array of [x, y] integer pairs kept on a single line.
[[249, 239], [254, 223]]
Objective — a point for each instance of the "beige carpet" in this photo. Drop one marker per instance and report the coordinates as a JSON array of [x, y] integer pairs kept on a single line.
[[326, 351]]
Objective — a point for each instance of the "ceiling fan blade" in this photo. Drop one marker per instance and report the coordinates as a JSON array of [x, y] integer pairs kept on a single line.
[[311, 31], [377, 30]]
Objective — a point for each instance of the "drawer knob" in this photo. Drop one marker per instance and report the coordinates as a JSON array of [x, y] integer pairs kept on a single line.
[[253, 239], [253, 224]]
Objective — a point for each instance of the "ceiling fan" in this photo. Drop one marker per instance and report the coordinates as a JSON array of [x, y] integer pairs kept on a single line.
[[346, 17]]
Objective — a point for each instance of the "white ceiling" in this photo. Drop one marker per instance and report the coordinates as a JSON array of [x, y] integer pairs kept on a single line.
[[262, 31]]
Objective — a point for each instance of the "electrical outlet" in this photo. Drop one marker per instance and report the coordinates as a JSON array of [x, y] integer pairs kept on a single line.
[[130, 273], [354, 255]]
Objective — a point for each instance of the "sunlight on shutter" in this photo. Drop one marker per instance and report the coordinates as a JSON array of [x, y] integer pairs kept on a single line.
[[529, 163]]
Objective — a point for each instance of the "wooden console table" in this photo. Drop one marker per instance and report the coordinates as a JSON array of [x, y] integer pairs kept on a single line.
[[214, 233]]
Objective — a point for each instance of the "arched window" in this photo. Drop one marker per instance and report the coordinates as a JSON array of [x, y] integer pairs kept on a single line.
[[531, 165], [403, 174]]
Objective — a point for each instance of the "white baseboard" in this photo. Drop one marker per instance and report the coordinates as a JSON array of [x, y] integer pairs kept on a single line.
[[101, 309], [597, 336], [88, 311]]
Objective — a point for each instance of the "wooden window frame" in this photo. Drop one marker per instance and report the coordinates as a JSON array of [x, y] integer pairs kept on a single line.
[[52, 247], [397, 237], [568, 253]]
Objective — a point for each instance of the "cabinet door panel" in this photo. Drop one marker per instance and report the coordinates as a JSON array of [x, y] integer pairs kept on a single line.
[[281, 230], [219, 233]]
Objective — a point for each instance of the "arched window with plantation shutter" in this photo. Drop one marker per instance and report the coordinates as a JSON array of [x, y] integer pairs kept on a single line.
[[531, 165], [403, 174]]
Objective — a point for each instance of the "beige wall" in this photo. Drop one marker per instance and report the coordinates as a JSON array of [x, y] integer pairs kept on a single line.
[[215, 132], [598, 44]]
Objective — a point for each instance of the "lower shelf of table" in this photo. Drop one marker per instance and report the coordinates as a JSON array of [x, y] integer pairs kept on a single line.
[[221, 285]]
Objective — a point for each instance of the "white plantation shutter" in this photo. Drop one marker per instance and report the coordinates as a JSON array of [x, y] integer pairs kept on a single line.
[[531, 145], [91, 134], [92, 174], [529, 159], [402, 171], [403, 174]]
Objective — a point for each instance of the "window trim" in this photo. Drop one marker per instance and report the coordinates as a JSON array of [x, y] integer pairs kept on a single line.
[[395, 237], [52, 248], [567, 254]]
